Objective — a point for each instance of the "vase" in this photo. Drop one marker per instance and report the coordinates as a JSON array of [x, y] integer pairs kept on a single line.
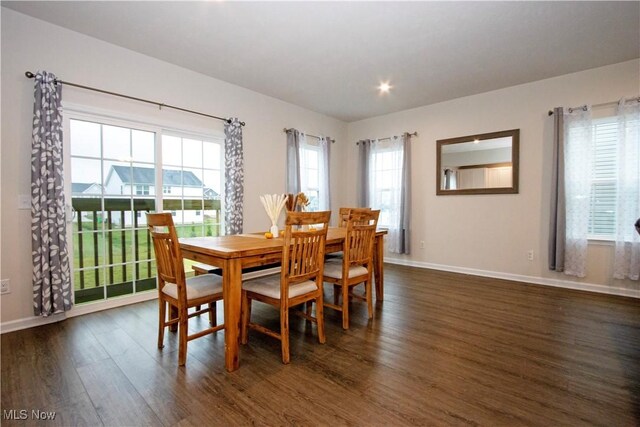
[[274, 230]]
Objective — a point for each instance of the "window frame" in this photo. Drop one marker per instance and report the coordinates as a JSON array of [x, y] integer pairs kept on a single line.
[[119, 119], [306, 190]]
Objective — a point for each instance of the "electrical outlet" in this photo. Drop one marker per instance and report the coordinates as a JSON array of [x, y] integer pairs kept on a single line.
[[4, 286], [530, 255], [421, 244]]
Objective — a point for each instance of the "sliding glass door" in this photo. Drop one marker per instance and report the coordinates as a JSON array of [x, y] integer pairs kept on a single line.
[[115, 181]]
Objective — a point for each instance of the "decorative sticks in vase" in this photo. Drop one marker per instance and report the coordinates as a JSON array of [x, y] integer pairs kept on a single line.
[[273, 204]]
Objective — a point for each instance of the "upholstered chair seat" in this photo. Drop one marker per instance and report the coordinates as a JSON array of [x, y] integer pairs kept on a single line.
[[270, 287], [197, 287], [333, 269]]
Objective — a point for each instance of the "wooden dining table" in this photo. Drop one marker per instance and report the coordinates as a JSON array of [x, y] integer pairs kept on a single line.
[[234, 253]]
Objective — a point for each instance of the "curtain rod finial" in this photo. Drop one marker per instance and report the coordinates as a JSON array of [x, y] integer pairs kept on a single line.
[[241, 123], [29, 74], [551, 112]]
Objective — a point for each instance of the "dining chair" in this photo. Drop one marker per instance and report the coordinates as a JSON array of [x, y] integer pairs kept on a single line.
[[299, 281], [177, 291], [356, 266]]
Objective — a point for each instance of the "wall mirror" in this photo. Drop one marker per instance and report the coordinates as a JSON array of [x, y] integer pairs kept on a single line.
[[478, 164]]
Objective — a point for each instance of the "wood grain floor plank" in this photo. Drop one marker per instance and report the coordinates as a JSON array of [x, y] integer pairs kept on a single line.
[[442, 349], [116, 400]]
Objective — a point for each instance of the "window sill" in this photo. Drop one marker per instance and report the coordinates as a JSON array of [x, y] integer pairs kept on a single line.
[[601, 241]]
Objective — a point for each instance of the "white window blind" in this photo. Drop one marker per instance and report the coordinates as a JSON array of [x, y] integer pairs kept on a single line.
[[602, 215]]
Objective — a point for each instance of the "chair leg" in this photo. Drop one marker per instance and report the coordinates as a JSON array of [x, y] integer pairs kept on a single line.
[[173, 314], [198, 309], [284, 333], [246, 317], [320, 320], [183, 330], [162, 305], [336, 294], [309, 305], [367, 289], [213, 314], [345, 306]]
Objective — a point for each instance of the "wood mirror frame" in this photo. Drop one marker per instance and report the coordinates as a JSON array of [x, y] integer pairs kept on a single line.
[[514, 134]]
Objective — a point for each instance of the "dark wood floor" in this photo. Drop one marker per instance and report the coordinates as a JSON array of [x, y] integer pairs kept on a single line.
[[443, 349]]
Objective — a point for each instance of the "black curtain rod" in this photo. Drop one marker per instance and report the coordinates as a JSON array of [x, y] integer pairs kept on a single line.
[[285, 130], [389, 137], [30, 75], [602, 104]]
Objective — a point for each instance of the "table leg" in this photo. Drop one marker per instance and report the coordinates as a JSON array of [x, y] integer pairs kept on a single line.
[[232, 291], [378, 269]]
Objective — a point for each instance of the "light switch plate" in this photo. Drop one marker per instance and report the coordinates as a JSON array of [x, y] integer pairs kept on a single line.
[[24, 202]]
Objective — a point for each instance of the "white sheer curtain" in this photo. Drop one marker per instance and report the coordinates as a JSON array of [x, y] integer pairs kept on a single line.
[[324, 184], [627, 248], [385, 186], [578, 154]]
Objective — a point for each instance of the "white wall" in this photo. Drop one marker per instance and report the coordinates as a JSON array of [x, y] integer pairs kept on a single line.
[[492, 233], [471, 233], [30, 44]]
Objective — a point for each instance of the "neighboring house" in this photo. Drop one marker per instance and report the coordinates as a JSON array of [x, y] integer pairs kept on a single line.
[[140, 182], [86, 188]]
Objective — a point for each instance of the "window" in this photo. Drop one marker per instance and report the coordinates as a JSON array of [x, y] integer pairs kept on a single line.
[[112, 172], [386, 187], [308, 168], [142, 190], [113, 178], [386, 171], [310, 174], [604, 178]]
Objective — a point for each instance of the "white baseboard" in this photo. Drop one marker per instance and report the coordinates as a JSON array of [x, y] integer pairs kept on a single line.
[[76, 310], [568, 284]]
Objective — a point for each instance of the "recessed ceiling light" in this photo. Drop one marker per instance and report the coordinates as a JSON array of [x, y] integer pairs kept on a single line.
[[384, 87]]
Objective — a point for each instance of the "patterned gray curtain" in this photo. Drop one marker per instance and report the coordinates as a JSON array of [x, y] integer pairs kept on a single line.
[[233, 177], [51, 276], [293, 162], [557, 220], [364, 150]]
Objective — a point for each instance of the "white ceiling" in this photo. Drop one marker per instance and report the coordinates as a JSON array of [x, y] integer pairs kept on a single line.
[[330, 56]]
